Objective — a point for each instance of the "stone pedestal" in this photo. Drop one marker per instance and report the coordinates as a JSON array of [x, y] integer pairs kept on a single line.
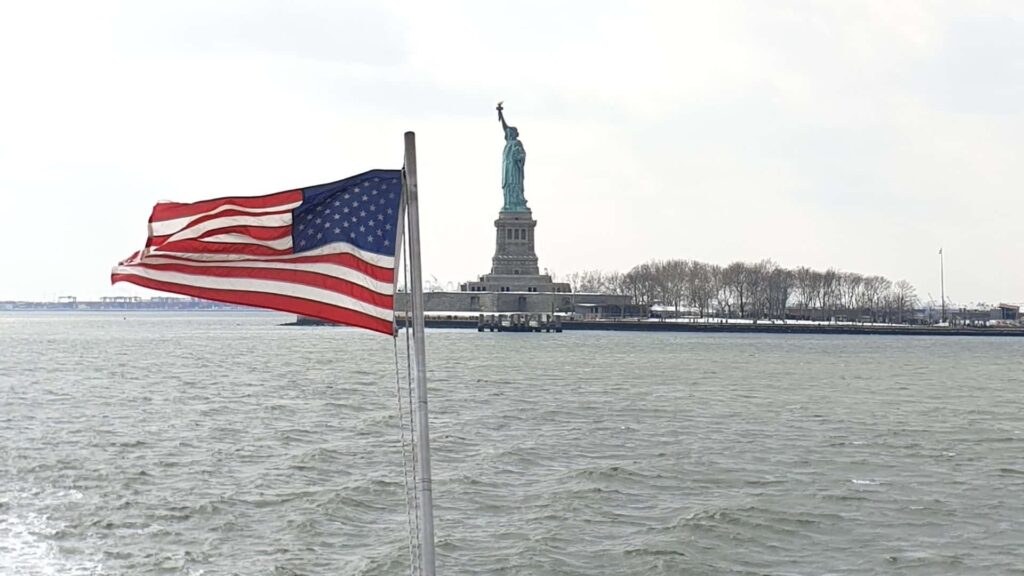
[[514, 252], [514, 266]]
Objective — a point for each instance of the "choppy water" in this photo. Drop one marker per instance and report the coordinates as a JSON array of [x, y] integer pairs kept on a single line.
[[226, 444]]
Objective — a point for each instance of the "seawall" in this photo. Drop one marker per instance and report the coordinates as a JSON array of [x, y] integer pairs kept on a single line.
[[759, 328]]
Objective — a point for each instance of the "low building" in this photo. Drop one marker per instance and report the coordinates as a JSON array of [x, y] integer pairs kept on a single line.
[[582, 305], [606, 307], [1006, 312], [969, 317]]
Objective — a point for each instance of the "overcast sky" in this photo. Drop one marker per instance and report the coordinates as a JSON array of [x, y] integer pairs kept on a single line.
[[859, 135]]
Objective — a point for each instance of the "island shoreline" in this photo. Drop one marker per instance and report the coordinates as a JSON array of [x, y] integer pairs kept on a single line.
[[730, 328]]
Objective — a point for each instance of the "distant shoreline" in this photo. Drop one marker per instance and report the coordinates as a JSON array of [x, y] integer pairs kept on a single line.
[[215, 307], [751, 328]]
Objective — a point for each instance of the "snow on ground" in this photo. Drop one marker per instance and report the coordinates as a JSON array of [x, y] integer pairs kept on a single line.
[[707, 320]]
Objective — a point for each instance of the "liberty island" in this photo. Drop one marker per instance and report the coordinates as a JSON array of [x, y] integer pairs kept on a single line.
[[515, 284]]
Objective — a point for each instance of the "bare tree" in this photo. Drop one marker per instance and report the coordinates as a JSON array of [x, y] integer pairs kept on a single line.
[[871, 293], [905, 298], [849, 287], [779, 289], [720, 291], [639, 282], [755, 278], [829, 292], [736, 279], [670, 277], [615, 283], [588, 281], [808, 285], [700, 286]]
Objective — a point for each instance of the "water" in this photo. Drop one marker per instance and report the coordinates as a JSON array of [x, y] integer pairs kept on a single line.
[[222, 443]]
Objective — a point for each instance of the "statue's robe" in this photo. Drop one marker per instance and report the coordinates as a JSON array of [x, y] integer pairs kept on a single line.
[[512, 174]]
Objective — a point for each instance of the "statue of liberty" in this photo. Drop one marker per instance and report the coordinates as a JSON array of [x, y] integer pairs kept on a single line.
[[513, 162]]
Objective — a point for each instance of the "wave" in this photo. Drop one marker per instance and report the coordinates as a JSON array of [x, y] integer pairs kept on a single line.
[[27, 549]]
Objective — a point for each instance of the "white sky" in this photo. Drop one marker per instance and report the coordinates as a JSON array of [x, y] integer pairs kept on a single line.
[[861, 135]]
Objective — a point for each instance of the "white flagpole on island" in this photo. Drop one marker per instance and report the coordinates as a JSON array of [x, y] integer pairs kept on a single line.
[[423, 487], [942, 284]]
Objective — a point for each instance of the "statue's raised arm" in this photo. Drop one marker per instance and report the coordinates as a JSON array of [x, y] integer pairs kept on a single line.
[[501, 116]]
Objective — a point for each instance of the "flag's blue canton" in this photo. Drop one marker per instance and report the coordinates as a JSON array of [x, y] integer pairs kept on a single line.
[[362, 210]]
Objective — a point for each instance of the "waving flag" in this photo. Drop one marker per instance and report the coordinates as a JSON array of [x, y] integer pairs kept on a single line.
[[326, 251]]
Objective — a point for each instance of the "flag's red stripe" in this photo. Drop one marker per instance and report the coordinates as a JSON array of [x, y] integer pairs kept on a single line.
[[302, 277], [347, 260], [278, 302], [202, 247], [172, 210], [255, 232]]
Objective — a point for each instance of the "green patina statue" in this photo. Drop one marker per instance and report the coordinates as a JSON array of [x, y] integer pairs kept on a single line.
[[513, 162]]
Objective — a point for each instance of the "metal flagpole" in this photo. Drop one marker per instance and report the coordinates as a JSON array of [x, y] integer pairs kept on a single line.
[[423, 488]]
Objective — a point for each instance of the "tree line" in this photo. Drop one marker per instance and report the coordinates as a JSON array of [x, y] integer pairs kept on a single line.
[[760, 290]]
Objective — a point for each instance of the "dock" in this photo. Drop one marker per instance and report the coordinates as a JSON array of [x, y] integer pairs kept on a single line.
[[518, 323]]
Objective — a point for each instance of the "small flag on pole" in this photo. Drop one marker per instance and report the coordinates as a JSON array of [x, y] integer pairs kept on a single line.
[[326, 251]]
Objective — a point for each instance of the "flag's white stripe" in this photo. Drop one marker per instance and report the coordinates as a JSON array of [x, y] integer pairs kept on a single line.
[[332, 248], [266, 286], [335, 271], [168, 227], [235, 238], [268, 221]]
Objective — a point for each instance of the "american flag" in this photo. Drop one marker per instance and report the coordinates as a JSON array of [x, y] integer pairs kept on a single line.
[[326, 251]]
